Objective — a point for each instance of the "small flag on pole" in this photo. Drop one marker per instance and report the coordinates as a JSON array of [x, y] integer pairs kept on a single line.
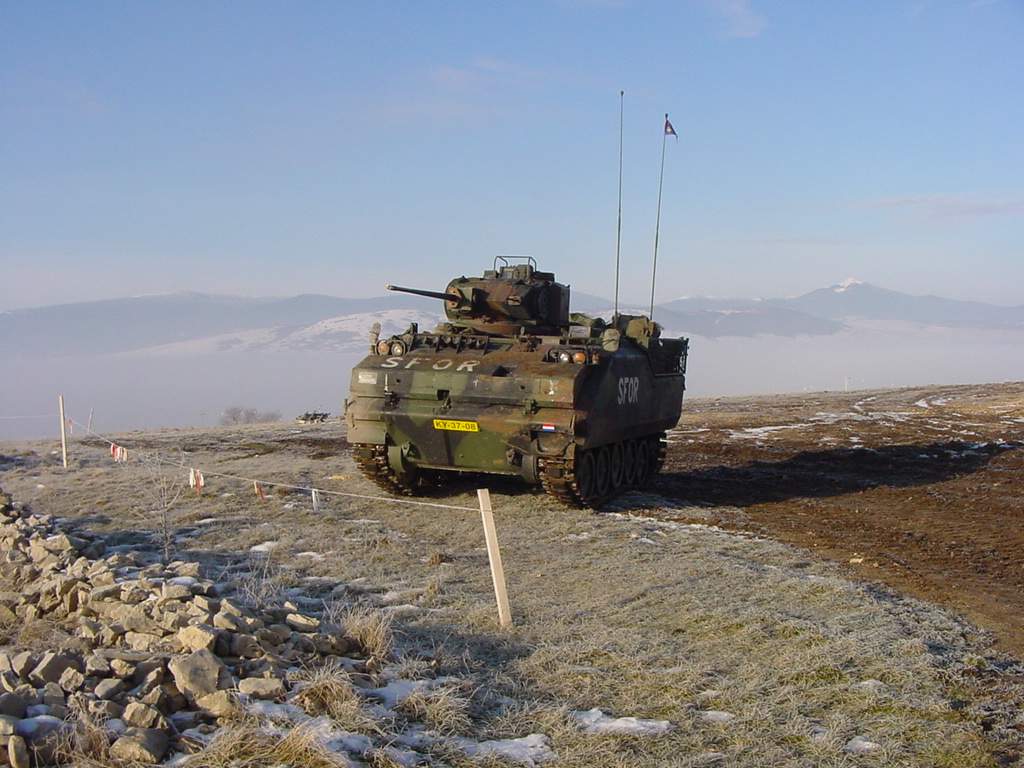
[[260, 493], [669, 130], [195, 479]]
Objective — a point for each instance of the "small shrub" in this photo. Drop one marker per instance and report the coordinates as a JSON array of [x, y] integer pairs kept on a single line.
[[444, 710], [328, 690], [371, 630]]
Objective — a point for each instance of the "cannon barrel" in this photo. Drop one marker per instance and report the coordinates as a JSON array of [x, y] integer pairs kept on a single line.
[[452, 297]]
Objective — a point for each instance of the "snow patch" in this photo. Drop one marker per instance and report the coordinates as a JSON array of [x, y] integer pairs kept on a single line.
[[596, 721], [530, 750], [846, 285]]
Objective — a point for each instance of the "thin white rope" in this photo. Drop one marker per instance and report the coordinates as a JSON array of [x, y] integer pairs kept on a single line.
[[271, 483]]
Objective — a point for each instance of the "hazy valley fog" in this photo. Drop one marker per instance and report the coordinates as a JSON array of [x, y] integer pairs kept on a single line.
[[137, 390]]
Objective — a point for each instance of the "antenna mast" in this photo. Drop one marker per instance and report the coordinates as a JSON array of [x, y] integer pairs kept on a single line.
[[618, 235], [657, 222]]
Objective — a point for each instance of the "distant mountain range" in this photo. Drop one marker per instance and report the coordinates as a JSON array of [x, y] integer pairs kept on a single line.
[[185, 323]]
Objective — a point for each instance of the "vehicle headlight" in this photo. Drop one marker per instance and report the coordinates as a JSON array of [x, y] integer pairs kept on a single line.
[[397, 348], [383, 347], [565, 357]]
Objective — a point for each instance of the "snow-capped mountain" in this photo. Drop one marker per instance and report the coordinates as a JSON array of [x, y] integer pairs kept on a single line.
[[188, 323], [853, 299]]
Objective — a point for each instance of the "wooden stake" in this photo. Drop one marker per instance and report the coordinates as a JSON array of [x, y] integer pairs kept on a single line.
[[88, 427], [63, 433], [494, 555]]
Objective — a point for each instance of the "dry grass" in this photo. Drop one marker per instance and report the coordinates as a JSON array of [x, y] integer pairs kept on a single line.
[[246, 745], [444, 709], [438, 557], [264, 583], [36, 635], [328, 690], [86, 743], [371, 630], [412, 668]]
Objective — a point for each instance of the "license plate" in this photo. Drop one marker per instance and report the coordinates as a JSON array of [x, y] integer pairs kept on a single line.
[[456, 426]]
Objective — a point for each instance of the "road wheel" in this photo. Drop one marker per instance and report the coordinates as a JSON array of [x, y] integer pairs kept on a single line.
[[618, 467], [629, 463], [642, 463], [585, 477], [602, 472]]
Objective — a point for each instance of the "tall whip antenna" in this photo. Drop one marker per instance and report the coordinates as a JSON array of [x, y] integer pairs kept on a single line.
[[618, 235], [657, 223]]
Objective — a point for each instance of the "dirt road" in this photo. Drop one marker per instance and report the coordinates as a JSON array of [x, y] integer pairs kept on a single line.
[[920, 488]]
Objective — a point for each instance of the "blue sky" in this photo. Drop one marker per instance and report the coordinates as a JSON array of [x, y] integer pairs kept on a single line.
[[272, 148]]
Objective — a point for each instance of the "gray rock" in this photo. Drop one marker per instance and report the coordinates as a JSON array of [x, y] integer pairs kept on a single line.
[[109, 688], [12, 704], [218, 704], [199, 674], [302, 623], [173, 591], [139, 715], [859, 745], [262, 687], [36, 729], [50, 668], [245, 646], [23, 663], [198, 637], [71, 680], [17, 752], [142, 641], [97, 665], [105, 592], [8, 726], [143, 745]]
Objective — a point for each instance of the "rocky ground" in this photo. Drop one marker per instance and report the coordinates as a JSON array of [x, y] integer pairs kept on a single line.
[[757, 607]]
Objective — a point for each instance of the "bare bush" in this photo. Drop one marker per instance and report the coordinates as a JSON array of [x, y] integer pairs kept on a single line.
[[235, 415], [328, 690], [164, 483]]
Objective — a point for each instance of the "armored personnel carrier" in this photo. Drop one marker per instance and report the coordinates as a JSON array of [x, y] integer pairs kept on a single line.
[[513, 384]]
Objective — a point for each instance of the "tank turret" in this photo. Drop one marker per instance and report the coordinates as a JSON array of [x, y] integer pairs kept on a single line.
[[510, 299]]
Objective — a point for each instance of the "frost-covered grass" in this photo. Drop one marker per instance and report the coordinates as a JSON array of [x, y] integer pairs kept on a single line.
[[633, 617]]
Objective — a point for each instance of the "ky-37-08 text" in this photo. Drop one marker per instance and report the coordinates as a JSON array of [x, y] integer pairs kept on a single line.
[[440, 365]]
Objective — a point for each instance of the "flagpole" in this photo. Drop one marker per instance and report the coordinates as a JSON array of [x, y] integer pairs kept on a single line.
[[618, 234], [657, 222]]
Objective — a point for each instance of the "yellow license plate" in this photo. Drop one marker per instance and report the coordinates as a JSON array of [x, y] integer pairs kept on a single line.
[[456, 426]]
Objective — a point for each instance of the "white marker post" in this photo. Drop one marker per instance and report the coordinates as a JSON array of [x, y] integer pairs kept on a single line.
[[494, 555], [63, 433]]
